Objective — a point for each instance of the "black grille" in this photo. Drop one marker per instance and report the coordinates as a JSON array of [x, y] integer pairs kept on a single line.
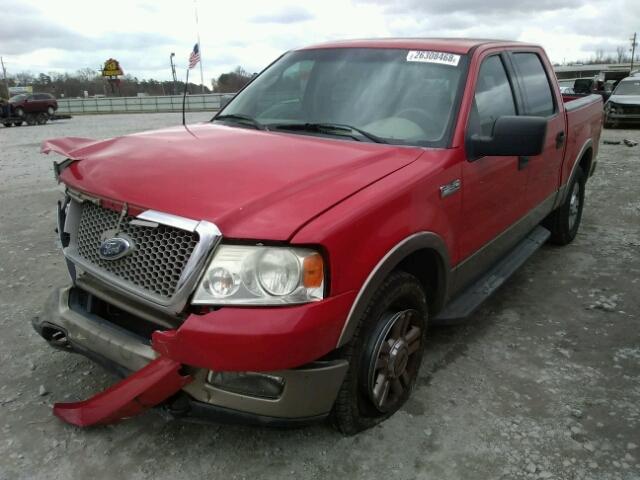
[[631, 109], [159, 256]]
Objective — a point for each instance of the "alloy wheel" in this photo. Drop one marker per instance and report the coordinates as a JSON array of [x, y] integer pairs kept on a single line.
[[394, 363], [574, 205]]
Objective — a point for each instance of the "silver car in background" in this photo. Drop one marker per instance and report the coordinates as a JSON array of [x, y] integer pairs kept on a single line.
[[623, 105]]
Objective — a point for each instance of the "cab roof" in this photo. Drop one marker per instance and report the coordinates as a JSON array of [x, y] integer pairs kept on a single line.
[[451, 45]]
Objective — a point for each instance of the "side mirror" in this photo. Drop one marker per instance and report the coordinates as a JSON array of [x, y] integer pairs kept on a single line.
[[512, 136]]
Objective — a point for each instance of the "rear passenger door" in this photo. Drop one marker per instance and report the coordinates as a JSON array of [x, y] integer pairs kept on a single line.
[[539, 99]]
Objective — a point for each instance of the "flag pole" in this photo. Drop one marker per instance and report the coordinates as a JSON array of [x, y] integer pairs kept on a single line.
[[184, 98], [195, 5]]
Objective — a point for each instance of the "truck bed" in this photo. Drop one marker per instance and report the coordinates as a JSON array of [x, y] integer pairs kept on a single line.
[[584, 122]]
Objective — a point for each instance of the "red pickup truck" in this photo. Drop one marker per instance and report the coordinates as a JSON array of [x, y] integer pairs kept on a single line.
[[281, 263]]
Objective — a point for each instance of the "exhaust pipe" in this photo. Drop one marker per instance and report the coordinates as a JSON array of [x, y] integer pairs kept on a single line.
[[56, 337]]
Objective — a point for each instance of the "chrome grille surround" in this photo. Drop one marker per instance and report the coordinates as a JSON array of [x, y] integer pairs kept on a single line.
[[157, 260], [170, 255]]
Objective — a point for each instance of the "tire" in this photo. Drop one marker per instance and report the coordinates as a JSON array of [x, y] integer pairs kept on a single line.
[[41, 118], [18, 124], [384, 355], [7, 124], [31, 119], [564, 222], [51, 111], [19, 112]]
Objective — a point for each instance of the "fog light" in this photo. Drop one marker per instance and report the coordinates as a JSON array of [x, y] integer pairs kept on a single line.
[[253, 384]]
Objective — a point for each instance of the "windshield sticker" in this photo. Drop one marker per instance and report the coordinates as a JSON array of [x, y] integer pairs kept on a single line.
[[427, 56]]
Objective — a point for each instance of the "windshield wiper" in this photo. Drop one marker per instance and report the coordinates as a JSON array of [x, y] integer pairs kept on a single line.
[[241, 118], [328, 127]]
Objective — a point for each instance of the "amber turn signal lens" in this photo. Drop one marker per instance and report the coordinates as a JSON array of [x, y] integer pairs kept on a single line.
[[312, 271]]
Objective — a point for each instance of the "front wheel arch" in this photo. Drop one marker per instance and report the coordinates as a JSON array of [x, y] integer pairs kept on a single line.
[[418, 254]]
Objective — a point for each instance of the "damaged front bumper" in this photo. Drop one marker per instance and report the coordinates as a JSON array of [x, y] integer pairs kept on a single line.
[[157, 374]]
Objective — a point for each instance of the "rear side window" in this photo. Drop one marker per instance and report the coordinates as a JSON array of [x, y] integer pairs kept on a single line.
[[493, 97], [535, 84]]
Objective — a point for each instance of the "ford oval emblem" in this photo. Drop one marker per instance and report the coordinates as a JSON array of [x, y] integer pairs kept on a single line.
[[115, 247]]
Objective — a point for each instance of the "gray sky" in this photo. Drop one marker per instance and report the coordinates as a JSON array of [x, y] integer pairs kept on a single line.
[[66, 35]]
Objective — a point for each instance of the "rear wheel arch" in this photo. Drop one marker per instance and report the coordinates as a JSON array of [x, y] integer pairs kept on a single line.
[[423, 255], [586, 160]]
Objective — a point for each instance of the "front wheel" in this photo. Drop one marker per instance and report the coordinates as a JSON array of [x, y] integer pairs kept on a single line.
[[384, 355], [51, 111], [564, 222]]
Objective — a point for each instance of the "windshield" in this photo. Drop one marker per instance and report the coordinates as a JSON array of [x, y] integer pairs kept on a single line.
[[399, 96], [631, 87], [17, 98]]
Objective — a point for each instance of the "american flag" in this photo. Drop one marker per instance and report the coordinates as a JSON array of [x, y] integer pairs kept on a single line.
[[194, 58]]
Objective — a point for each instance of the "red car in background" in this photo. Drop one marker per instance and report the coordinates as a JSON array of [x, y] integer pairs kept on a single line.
[[33, 107]]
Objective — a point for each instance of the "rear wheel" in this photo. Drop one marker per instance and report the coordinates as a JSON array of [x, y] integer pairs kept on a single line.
[[42, 118], [31, 119], [17, 124], [384, 355], [7, 124], [564, 222]]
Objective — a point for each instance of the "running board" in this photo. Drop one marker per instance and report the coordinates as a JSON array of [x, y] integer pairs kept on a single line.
[[466, 303]]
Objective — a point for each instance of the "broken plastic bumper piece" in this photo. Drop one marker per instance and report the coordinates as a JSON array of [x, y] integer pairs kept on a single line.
[[140, 391]]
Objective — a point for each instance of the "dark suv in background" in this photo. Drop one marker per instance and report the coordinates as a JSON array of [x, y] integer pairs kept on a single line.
[[34, 108], [33, 103]]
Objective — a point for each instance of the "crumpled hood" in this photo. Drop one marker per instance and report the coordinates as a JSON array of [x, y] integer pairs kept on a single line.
[[625, 99], [251, 184]]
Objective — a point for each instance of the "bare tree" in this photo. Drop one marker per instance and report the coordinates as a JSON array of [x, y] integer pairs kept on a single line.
[[86, 74], [24, 78], [621, 54]]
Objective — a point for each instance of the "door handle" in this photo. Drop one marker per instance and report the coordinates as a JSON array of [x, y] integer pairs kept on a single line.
[[559, 139], [522, 162]]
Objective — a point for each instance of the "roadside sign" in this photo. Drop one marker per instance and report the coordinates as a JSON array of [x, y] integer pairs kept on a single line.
[[112, 68], [19, 90]]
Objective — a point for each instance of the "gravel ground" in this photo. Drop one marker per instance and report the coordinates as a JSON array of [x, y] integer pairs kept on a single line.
[[543, 382]]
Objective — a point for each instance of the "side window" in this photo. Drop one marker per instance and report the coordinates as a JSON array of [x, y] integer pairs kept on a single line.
[[493, 97], [535, 84]]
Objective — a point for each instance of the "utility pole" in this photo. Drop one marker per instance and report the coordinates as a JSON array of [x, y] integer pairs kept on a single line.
[[4, 76], [634, 44], [174, 91]]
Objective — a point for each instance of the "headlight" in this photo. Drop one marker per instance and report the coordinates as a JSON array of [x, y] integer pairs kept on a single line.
[[612, 108], [258, 275]]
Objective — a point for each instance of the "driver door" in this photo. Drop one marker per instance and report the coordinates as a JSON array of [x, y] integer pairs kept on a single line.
[[493, 186]]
